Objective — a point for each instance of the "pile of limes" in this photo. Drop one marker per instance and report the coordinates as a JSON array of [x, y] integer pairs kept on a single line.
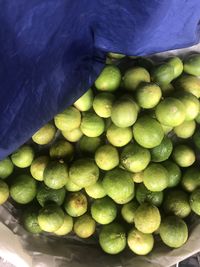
[[123, 157]]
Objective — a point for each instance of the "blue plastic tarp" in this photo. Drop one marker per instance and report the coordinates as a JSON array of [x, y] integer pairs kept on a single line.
[[51, 51]]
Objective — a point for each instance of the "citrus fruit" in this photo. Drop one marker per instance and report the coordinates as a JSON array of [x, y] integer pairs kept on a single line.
[[4, 192], [38, 166], [84, 226], [173, 231], [109, 79], [191, 179], [107, 157], [145, 195], [51, 218], [6, 168], [183, 155], [61, 149], [192, 64], [176, 202], [103, 103], [89, 145], [84, 103], [134, 76], [84, 172], [104, 210], [46, 195], [196, 139], [73, 135], [163, 74], [140, 243], [188, 83], [138, 177], [96, 190], [72, 187], [112, 238], [76, 204], [170, 112], [56, 174], [191, 104], [148, 132], [195, 201], [146, 63], [197, 119], [148, 95], [185, 129], [119, 185], [45, 134], [167, 89], [23, 189], [92, 125], [23, 156], [124, 112], [147, 218], [128, 211], [166, 128], [135, 158], [177, 65], [115, 55], [68, 120], [119, 136], [174, 173], [156, 177], [30, 220], [163, 151], [66, 227]]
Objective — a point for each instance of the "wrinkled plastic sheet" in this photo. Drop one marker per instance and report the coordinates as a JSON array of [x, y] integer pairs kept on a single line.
[[46, 250]]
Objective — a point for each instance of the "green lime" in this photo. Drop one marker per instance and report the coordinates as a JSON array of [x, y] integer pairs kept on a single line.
[[146, 63], [84, 103], [115, 55], [72, 187], [192, 64], [191, 104], [62, 149], [173, 231], [190, 179], [89, 145], [38, 166], [84, 172], [174, 173], [112, 238], [104, 210], [163, 151], [45, 134], [147, 218], [56, 174], [134, 77], [46, 195], [177, 65], [183, 155], [185, 129], [124, 112], [170, 112], [96, 190], [76, 204], [23, 189], [66, 227], [140, 243], [176, 202], [51, 218], [148, 132], [138, 177], [30, 220], [156, 177], [109, 79], [68, 120], [119, 185], [84, 226], [195, 201], [23, 156], [163, 74], [119, 136], [107, 157], [197, 119], [196, 139], [4, 192], [103, 104], [145, 195], [188, 83], [166, 128], [167, 89], [148, 95], [128, 211], [73, 135], [6, 168], [92, 125], [135, 158]]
